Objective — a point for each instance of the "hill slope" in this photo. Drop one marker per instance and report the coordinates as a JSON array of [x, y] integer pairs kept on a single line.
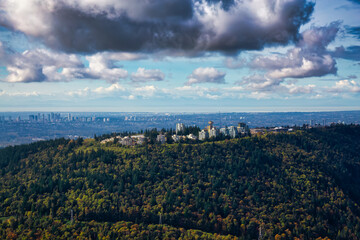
[[296, 185]]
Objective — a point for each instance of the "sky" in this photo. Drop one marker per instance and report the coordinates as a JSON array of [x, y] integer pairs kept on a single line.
[[179, 55]]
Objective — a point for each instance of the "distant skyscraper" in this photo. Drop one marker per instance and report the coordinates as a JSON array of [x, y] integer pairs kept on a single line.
[[180, 127], [213, 133], [224, 131], [233, 131], [242, 128], [203, 134], [211, 126], [311, 122]]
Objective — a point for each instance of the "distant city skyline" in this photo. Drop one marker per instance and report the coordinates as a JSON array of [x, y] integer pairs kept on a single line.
[[24, 127], [179, 56]]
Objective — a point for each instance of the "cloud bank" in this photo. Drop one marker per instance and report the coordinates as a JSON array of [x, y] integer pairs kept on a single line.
[[345, 86], [149, 26], [309, 58], [40, 65]]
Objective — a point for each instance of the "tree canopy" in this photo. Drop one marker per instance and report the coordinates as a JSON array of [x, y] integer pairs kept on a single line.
[[304, 184]]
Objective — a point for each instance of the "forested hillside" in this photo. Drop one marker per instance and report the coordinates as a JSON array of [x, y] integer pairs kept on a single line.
[[304, 185]]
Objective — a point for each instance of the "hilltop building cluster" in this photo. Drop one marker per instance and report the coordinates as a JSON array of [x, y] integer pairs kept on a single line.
[[182, 134], [212, 132], [177, 138], [128, 140]]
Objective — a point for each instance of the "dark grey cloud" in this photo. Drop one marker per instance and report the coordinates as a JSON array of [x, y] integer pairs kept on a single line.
[[355, 1], [79, 32], [248, 34], [225, 4], [354, 31], [352, 76], [157, 25], [350, 53]]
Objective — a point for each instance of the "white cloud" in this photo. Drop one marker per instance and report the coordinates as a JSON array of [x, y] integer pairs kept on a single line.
[[206, 75], [190, 92], [293, 89], [29, 74], [314, 66], [102, 66], [259, 83], [233, 63], [272, 86], [111, 89], [145, 92], [131, 97], [80, 93], [116, 90], [213, 97], [259, 95], [345, 86], [19, 94], [106, 60], [147, 75]]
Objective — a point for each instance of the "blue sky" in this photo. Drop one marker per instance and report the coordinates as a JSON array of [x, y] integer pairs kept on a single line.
[[179, 55]]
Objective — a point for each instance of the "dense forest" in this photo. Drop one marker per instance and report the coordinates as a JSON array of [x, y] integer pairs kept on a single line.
[[298, 185]]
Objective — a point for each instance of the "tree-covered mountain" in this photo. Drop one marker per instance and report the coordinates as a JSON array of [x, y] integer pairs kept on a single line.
[[300, 185]]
